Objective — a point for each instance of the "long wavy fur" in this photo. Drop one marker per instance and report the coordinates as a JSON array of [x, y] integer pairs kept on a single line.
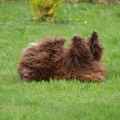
[[48, 59]]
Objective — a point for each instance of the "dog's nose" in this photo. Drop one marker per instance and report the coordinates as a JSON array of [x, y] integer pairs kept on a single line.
[[26, 76]]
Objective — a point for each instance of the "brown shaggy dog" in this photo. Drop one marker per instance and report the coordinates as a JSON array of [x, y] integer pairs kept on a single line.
[[49, 59]]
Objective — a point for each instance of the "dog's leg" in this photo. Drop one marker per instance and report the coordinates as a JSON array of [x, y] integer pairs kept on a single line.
[[81, 49], [93, 77], [95, 46], [78, 41]]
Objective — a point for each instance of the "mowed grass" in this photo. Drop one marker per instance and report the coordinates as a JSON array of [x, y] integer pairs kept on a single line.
[[59, 100]]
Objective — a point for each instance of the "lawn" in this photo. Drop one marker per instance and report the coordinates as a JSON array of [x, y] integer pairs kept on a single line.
[[59, 100]]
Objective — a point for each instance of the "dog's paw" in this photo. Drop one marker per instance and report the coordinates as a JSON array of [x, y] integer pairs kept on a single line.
[[59, 41], [94, 36], [76, 38]]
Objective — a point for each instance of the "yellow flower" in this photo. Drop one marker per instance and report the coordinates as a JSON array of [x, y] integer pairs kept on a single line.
[[85, 22], [77, 19]]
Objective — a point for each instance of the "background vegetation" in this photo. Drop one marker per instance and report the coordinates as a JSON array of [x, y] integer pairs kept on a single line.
[[44, 11], [59, 100], [93, 1]]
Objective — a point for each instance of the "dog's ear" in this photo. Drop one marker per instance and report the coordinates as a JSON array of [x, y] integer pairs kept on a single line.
[[60, 41]]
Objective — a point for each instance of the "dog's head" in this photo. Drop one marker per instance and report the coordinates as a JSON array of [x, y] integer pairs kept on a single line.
[[37, 60], [34, 63], [30, 73], [27, 73], [35, 67]]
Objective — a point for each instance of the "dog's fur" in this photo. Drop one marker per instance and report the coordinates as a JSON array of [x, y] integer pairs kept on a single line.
[[49, 59]]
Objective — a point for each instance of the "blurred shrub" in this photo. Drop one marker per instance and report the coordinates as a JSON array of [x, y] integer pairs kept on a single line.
[[68, 1], [15, 0], [93, 1], [106, 1], [44, 10]]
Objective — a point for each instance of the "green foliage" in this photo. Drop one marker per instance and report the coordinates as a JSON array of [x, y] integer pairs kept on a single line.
[[44, 10]]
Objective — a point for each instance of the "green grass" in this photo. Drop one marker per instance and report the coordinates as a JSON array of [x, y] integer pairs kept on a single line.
[[58, 100]]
